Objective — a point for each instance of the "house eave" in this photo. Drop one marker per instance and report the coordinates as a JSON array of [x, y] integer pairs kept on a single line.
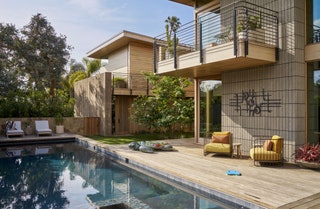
[[116, 42]]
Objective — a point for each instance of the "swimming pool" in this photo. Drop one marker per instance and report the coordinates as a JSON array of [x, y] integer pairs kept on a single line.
[[68, 175]]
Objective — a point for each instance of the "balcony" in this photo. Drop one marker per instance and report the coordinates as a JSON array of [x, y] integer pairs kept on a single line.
[[124, 84], [237, 36], [312, 49]]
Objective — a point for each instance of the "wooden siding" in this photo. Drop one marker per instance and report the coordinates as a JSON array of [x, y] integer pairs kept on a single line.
[[141, 58], [123, 123]]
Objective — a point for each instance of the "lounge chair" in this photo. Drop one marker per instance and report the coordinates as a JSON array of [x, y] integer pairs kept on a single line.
[[42, 127], [13, 128], [267, 151], [220, 143]]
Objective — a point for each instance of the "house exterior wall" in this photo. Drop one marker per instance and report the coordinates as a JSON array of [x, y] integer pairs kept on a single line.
[[93, 99], [279, 89], [118, 61], [141, 58]]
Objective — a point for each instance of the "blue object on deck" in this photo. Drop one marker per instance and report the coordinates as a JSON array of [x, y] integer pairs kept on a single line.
[[233, 173]]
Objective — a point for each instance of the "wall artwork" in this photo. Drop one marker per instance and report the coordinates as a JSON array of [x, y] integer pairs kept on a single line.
[[253, 103]]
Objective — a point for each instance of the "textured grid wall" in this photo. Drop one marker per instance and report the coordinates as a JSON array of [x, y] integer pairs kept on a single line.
[[278, 89]]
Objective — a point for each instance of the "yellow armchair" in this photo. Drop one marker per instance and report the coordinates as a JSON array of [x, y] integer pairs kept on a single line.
[[267, 151], [220, 143]]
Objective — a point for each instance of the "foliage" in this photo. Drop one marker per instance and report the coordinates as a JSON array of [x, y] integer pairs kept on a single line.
[[58, 119], [92, 65], [21, 103], [168, 107], [32, 62], [9, 60], [172, 25], [308, 153], [119, 82], [253, 22], [44, 53]]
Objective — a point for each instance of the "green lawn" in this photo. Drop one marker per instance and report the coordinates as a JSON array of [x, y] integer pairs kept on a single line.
[[132, 138]]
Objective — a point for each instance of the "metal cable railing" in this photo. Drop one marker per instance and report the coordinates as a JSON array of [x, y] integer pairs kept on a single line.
[[242, 21], [313, 32]]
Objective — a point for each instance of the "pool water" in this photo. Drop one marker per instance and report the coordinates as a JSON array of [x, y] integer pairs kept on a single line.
[[71, 176]]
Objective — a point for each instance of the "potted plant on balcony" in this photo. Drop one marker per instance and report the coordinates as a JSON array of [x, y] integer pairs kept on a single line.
[[59, 123], [172, 25], [254, 24], [119, 82], [308, 156]]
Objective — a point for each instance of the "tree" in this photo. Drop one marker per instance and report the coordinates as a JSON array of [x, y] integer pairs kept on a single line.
[[79, 72], [45, 54], [9, 40], [92, 65], [168, 107], [172, 25]]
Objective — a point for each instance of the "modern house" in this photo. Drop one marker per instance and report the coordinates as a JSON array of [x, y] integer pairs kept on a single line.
[[110, 94], [265, 53]]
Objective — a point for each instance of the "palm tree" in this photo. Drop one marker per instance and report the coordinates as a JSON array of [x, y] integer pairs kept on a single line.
[[172, 25], [79, 72]]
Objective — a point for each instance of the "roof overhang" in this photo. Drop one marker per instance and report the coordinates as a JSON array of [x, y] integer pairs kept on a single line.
[[116, 42], [190, 3]]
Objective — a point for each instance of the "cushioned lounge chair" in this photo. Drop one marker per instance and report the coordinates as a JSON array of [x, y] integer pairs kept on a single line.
[[267, 151], [220, 143], [42, 127], [13, 128]]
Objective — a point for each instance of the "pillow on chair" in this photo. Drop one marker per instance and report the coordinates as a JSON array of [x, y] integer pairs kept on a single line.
[[224, 139], [268, 145]]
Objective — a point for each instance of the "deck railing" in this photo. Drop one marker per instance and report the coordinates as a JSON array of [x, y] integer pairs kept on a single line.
[[242, 21], [313, 34], [133, 82]]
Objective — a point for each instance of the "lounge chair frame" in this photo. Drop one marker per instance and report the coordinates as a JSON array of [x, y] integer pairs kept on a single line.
[[17, 131], [42, 128]]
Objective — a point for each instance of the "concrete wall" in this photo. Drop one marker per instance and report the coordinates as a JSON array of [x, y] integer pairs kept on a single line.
[[94, 99], [71, 125], [282, 85]]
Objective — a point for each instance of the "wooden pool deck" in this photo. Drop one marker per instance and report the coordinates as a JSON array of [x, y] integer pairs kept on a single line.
[[287, 186]]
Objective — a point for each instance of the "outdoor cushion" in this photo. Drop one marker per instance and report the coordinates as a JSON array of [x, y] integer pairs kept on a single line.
[[277, 144], [220, 143], [217, 147], [42, 127], [260, 154], [14, 128], [268, 145], [219, 138]]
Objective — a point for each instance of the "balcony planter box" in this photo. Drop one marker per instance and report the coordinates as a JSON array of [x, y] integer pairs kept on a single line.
[[257, 35]]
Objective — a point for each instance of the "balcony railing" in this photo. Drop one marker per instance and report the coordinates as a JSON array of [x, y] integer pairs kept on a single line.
[[130, 84], [313, 34], [136, 84], [242, 22]]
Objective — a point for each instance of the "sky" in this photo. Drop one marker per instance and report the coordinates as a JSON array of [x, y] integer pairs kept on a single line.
[[89, 23]]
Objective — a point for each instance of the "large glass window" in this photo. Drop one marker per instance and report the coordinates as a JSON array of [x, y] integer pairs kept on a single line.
[[313, 21], [313, 36], [210, 107], [314, 102]]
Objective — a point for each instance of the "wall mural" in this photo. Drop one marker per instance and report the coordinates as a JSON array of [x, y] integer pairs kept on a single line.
[[253, 103]]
